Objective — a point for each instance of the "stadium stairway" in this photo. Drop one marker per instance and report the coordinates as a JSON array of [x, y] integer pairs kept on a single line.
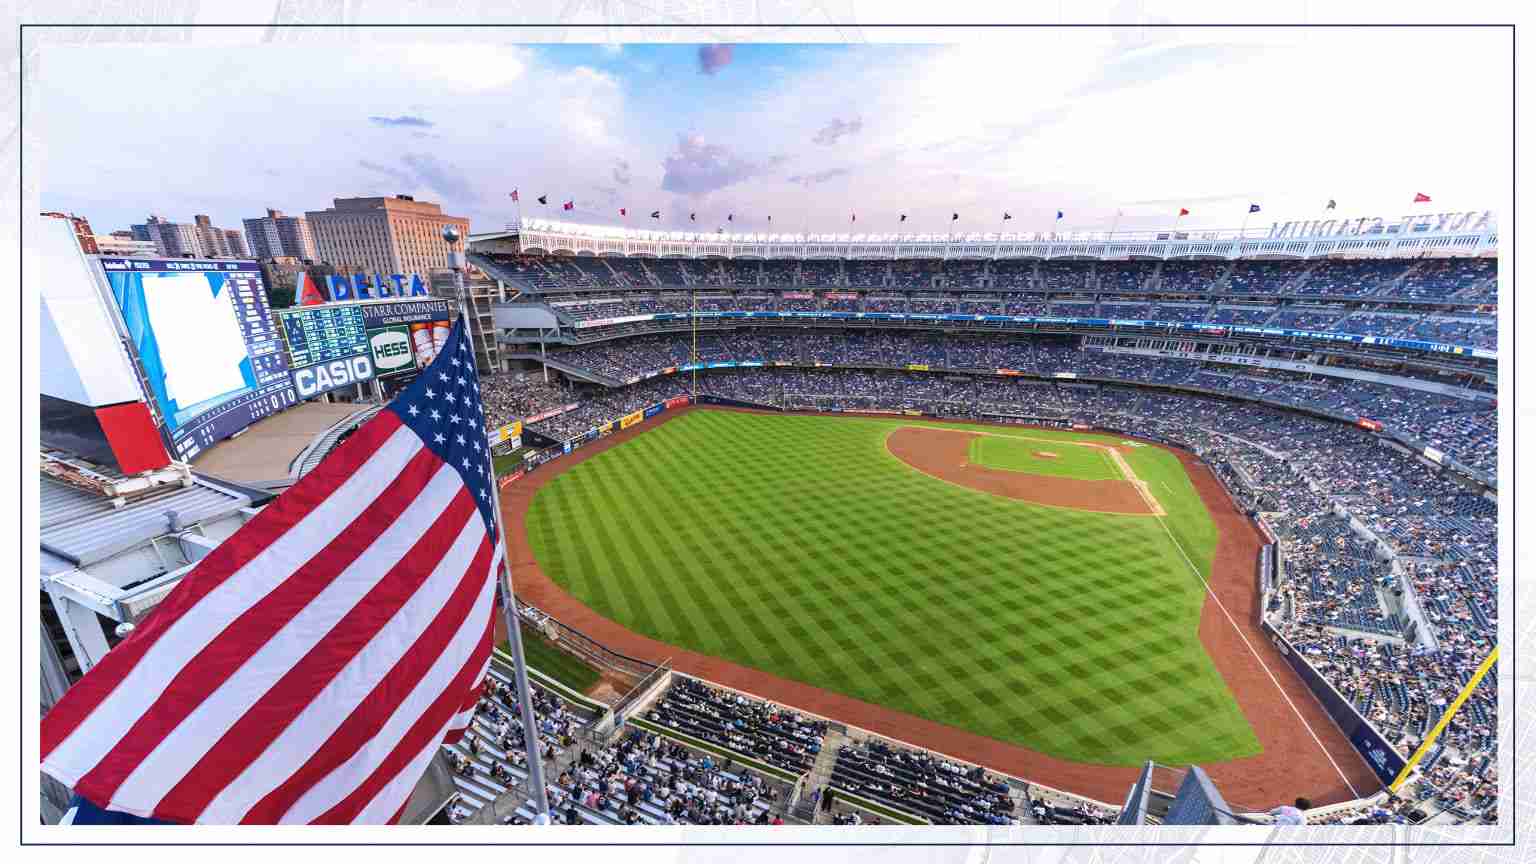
[[820, 776]]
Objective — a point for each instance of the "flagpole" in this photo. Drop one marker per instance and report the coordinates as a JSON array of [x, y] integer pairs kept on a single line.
[[535, 763]]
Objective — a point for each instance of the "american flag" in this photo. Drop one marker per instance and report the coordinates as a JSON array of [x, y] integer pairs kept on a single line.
[[307, 670]]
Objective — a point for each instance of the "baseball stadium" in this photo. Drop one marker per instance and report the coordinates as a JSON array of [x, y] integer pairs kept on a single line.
[[1150, 528], [1078, 518], [391, 521]]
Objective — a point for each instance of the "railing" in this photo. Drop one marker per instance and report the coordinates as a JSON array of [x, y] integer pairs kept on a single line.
[[580, 644]]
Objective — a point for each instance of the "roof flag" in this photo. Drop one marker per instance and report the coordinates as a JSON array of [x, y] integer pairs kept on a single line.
[[309, 668]]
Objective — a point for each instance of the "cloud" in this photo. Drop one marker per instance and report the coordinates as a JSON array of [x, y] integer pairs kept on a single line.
[[402, 178], [818, 177], [713, 57], [441, 177], [837, 129], [404, 120], [425, 171], [698, 168], [621, 173]]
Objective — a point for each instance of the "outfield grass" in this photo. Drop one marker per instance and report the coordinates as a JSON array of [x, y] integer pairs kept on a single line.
[[1011, 453], [801, 546]]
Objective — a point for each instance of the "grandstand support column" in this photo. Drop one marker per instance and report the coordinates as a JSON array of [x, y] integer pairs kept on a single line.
[[540, 792]]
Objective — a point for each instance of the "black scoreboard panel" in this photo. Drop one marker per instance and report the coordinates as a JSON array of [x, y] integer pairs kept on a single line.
[[320, 334]]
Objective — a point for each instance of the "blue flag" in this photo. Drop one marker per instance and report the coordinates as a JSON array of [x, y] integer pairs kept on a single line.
[[1058, 215], [1253, 208]]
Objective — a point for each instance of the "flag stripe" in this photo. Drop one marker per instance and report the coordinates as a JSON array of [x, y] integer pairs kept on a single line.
[[230, 556], [244, 659], [356, 759], [216, 609], [347, 692], [394, 777], [400, 787], [321, 629], [330, 737]]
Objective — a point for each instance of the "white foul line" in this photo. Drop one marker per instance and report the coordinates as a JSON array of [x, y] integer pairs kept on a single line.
[[1265, 666]]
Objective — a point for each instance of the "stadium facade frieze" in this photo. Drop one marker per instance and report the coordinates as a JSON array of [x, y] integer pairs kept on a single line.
[[1452, 233]]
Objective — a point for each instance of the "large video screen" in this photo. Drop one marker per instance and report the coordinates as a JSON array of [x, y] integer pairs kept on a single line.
[[206, 343]]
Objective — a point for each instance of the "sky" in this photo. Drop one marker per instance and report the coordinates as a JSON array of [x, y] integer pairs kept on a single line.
[[1112, 127]]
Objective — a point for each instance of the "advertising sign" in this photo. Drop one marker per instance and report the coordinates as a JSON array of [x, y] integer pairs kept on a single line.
[[391, 350], [677, 402], [918, 367], [405, 312], [631, 419], [323, 377]]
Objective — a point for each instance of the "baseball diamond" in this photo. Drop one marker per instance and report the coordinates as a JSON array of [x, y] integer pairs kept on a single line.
[[802, 546]]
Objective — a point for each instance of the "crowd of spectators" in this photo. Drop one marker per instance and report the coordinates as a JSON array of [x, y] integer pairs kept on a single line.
[[645, 779], [924, 784], [762, 730], [1420, 280], [1463, 426]]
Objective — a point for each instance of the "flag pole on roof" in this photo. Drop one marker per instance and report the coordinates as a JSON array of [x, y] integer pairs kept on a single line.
[[533, 757]]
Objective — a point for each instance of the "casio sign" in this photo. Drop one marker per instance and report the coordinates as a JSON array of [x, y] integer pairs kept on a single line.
[[391, 349], [314, 380]]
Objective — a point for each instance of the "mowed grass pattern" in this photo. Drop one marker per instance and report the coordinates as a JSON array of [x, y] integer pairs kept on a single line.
[[1011, 453], [800, 546]]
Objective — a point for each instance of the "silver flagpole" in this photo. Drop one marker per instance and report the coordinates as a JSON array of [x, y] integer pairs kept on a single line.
[[509, 608]]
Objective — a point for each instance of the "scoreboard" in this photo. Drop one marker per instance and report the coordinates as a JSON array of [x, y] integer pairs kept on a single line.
[[320, 334], [208, 351]]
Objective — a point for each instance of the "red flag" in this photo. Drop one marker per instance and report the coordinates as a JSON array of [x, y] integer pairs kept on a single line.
[[309, 668], [309, 292], [569, 205], [623, 212], [514, 194], [853, 217], [1420, 198], [1183, 212]]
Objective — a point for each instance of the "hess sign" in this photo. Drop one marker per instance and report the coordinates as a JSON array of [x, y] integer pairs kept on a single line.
[[314, 380], [392, 350]]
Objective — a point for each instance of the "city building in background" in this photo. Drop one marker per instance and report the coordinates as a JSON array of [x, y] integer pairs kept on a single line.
[[383, 235], [83, 231], [277, 236], [200, 239], [122, 243], [235, 240]]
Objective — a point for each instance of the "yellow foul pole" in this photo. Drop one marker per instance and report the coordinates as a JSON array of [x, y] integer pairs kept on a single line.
[[1445, 719]]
